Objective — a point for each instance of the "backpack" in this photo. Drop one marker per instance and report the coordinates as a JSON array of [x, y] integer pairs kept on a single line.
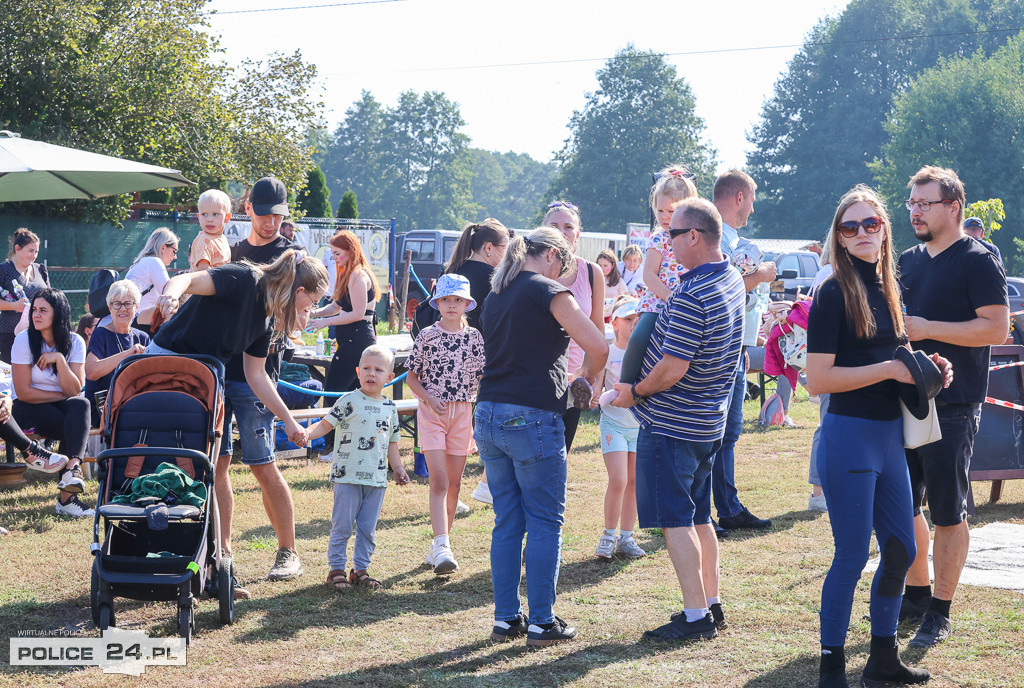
[[772, 412], [793, 346], [98, 287]]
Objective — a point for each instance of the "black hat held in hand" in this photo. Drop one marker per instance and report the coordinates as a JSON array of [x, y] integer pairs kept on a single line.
[[927, 381]]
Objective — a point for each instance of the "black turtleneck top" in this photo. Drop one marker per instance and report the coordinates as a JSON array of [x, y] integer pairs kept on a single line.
[[828, 332]]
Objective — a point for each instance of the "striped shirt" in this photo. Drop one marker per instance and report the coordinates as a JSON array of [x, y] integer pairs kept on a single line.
[[703, 324]]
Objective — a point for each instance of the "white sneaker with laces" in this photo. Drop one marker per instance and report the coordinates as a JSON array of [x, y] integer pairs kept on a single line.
[[74, 508], [482, 493], [71, 480], [461, 508], [444, 561], [606, 546], [429, 560], [817, 503], [627, 547]]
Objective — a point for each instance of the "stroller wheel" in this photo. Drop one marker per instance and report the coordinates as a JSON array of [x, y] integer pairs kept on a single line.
[[186, 623], [106, 617], [225, 591]]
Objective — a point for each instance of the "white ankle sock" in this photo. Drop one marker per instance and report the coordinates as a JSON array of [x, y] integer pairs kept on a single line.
[[626, 534], [441, 540], [610, 532], [713, 600], [695, 614]]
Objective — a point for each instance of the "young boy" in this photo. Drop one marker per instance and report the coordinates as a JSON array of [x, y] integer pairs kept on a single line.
[[210, 248], [366, 435]]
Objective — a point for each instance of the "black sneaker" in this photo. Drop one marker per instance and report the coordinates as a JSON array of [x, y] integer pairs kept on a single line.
[[720, 532], [717, 615], [542, 635], [913, 611], [681, 629], [505, 631], [935, 628], [744, 519]]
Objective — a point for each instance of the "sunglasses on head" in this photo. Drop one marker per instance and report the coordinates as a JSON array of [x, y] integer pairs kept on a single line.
[[563, 204], [850, 228]]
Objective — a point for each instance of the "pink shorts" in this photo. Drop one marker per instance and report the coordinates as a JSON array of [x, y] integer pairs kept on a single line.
[[451, 433]]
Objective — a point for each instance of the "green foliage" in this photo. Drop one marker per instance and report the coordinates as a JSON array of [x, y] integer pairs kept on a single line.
[[138, 79], [509, 186], [348, 207], [824, 123], [967, 114], [641, 118], [991, 212], [315, 199]]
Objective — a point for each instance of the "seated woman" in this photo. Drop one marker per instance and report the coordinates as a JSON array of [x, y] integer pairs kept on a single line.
[[112, 343], [48, 368]]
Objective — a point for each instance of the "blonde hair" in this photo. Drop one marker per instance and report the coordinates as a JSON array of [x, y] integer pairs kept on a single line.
[[858, 312], [674, 182], [520, 248], [215, 195], [630, 250], [282, 278], [383, 352]]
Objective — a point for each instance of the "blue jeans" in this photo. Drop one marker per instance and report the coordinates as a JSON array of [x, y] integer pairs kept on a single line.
[[673, 481], [723, 470], [255, 424], [523, 450]]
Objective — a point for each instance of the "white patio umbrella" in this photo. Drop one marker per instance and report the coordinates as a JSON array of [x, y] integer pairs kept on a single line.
[[36, 171]]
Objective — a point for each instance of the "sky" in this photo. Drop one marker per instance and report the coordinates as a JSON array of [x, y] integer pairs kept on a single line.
[[518, 70]]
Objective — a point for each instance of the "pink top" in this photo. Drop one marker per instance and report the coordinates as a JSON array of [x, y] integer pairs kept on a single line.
[[669, 272], [584, 295]]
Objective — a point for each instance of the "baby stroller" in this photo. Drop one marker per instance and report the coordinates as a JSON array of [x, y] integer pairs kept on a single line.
[[161, 540]]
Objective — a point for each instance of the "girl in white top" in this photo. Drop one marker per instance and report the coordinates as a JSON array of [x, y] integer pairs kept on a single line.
[[149, 272], [614, 285], [631, 267]]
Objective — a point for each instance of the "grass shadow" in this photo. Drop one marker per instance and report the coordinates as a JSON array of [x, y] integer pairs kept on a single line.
[[802, 671]]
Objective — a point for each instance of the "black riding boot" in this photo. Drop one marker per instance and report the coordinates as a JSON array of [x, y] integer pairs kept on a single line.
[[833, 668], [885, 667]]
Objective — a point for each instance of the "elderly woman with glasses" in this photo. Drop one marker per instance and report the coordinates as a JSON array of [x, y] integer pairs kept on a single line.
[[112, 343]]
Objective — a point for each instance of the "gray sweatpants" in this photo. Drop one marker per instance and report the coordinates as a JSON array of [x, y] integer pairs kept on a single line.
[[359, 504]]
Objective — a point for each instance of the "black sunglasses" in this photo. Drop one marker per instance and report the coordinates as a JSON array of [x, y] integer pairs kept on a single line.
[[871, 225], [679, 232]]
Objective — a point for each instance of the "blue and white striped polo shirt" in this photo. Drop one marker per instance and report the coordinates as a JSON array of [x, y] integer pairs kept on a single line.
[[703, 324]]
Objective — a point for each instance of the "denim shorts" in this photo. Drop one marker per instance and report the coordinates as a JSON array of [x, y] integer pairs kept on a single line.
[[673, 481], [255, 424], [617, 438], [941, 468]]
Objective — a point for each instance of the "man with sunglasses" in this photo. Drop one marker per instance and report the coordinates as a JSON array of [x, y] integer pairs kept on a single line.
[[680, 400], [954, 294], [734, 199]]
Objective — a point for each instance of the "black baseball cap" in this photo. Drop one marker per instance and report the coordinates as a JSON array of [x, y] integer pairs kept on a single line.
[[974, 222], [269, 197]]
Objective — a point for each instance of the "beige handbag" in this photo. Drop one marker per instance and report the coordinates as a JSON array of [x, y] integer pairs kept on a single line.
[[918, 432]]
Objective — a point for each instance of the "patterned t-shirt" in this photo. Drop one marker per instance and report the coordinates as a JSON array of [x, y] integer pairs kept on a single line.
[[448, 364], [670, 272], [363, 429]]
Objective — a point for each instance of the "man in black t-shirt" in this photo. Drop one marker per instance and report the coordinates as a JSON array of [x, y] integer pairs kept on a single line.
[[267, 207], [954, 294]]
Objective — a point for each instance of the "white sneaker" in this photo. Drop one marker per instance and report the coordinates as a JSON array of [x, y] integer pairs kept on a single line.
[[444, 562], [3, 531], [789, 422], [74, 508], [461, 508], [627, 547], [817, 503], [71, 480], [429, 560], [482, 493], [606, 546]]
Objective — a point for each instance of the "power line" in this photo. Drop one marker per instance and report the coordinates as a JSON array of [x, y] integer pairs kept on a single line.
[[712, 51], [309, 7]]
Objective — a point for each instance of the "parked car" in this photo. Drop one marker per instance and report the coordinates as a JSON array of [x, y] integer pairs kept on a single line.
[[1015, 292], [796, 270], [431, 249]]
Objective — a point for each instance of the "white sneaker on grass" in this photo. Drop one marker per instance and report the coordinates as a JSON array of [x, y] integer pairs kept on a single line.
[[444, 561], [817, 503], [461, 508], [606, 546], [74, 508], [627, 547], [482, 493]]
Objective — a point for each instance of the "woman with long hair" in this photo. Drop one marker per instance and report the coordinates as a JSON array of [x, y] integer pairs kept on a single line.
[[614, 285], [856, 325], [480, 248], [21, 278], [48, 367], [149, 272], [351, 311], [519, 430]]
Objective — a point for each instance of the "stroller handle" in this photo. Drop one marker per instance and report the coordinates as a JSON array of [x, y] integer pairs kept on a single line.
[[108, 454]]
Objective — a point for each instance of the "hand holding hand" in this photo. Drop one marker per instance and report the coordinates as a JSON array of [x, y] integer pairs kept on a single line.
[[296, 433]]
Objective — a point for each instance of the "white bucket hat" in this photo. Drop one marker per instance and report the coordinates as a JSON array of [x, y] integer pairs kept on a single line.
[[452, 285]]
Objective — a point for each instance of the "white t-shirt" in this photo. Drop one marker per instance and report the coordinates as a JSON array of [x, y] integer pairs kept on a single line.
[[45, 380], [150, 271], [612, 370], [823, 274]]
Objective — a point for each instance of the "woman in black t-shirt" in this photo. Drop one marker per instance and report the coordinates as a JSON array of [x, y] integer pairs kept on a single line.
[[239, 308], [478, 251], [855, 327], [519, 431], [21, 278]]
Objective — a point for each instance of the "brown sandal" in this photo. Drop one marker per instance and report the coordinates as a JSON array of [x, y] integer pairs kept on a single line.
[[337, 580], [358, 578]]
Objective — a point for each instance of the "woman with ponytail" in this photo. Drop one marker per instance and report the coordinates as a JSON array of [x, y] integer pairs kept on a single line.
[[479, 250]]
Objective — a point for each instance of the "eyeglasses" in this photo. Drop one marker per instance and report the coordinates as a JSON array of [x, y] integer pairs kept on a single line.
[[563, 204], [925, 206], [173, 248], [871, 225], [122, 305], [679, 232]]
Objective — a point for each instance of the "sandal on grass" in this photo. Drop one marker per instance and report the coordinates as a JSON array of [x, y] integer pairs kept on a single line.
[[338, 580], [358, 578]]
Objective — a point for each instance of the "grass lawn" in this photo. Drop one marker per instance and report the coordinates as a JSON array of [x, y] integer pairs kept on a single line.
[[425, 631]]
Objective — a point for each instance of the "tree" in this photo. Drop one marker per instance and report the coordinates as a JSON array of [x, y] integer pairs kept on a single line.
[[348, 207], [315, 199], [824, 123], [966, 114], [138, 79], [353, 155], [991, 212], [509, 186], [641, 118]]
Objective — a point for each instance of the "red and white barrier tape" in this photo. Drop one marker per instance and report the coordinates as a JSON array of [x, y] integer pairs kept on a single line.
[[1016, 313], [1015, 364], [1004, 404]]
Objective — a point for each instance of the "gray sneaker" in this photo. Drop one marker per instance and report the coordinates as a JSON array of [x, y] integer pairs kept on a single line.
[[627, 547], [817, 503], [606, 546], [286, 566], [935, 628]]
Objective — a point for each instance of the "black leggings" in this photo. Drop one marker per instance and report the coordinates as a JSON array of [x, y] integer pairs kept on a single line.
[[66, 421], [10, 432], [6, 344], [352, 340]]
